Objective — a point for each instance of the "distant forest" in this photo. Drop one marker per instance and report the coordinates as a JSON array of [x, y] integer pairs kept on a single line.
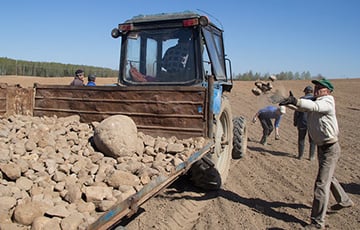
[[51, 69], [250, 76]]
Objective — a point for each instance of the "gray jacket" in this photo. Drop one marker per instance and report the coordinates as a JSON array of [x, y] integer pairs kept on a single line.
[[322, 123]]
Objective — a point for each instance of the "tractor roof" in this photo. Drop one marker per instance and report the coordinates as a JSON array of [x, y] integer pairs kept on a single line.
[[163, 17], [167, 17]]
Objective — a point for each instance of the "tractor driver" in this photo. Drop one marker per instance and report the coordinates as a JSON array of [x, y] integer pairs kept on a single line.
[[176, 57]]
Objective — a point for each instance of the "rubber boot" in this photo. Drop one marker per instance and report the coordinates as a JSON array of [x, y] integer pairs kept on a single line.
[[301, 151], [312, 151], [263, 140]]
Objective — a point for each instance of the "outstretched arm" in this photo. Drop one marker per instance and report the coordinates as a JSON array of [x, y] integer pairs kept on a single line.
[[291, 100], [255, 117]]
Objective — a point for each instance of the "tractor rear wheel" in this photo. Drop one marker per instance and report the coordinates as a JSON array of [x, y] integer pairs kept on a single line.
[[211, 172]]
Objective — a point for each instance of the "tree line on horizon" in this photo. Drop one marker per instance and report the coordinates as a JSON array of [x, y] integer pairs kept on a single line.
[[49, 69], [250, 76], [52, 69]]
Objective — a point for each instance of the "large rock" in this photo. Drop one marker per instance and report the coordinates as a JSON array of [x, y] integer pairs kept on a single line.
[[72, 222], [119, 178], [11, 170], [7, 203], [27, 212], [98, 193], [116, 136]]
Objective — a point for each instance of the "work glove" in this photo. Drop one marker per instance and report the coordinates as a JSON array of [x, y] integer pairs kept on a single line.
[[254, 120], [291, 100]]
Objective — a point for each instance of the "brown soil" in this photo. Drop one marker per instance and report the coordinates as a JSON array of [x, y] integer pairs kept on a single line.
[[268, 188]]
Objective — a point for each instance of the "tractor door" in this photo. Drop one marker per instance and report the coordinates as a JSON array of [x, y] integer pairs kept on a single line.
[[214, 56]]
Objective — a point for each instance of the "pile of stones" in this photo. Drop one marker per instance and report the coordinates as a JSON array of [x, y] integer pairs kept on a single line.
[[53, 175]]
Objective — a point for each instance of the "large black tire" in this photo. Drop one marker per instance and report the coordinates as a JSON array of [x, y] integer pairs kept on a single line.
[[240, 138], [210, 173]]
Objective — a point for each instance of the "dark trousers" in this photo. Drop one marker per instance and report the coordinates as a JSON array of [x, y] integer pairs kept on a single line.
[[301, 144], [266, 125], [326, 182]]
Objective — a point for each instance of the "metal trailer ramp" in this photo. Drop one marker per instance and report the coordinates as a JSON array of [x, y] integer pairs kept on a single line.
[[130, 206]]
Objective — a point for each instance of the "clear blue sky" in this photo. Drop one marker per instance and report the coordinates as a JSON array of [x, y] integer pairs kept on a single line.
[[264, 36]]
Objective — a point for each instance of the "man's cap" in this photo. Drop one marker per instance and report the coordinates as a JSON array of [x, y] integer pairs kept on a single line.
[[324, 82], [282, 109], [79, 71], [91, 77], [308, 89]]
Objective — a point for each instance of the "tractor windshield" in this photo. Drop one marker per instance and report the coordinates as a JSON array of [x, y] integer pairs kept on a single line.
[[159, 56]]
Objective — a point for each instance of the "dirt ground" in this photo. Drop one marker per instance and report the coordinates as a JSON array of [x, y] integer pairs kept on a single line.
[[267, 189]]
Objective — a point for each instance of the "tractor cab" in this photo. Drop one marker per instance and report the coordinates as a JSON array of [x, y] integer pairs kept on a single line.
[[171, 49]]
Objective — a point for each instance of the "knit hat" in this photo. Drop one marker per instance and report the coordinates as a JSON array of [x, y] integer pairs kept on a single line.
[[324, 82], [91, 77], [308, 89]]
